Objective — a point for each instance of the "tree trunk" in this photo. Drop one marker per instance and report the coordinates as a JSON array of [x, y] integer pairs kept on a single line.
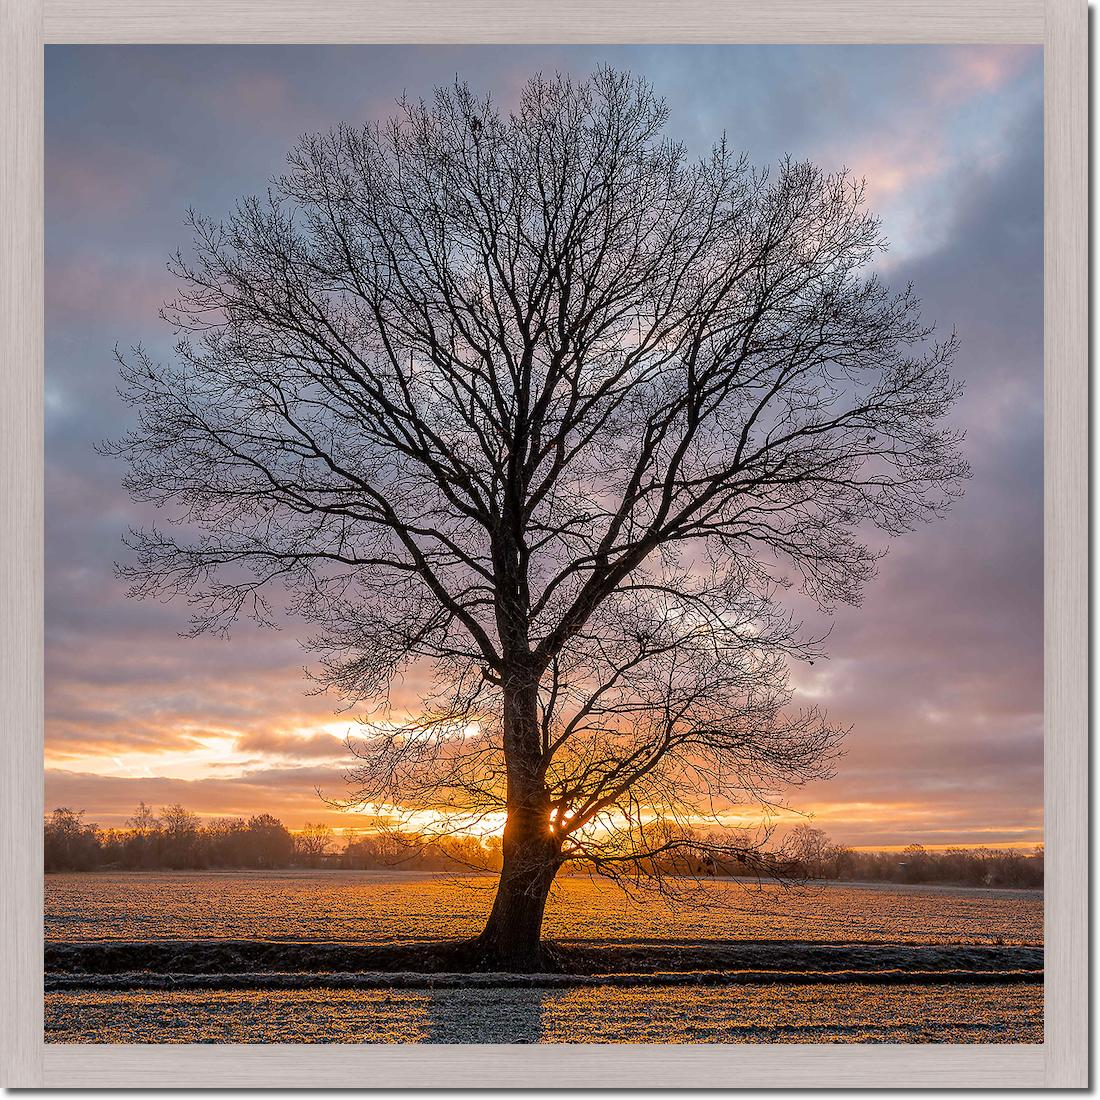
[[512, 938]]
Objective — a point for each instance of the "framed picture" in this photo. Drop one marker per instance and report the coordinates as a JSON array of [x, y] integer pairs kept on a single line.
[[558, 526]]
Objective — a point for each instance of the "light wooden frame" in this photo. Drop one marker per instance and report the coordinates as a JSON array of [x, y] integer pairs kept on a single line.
[[1060, 26]]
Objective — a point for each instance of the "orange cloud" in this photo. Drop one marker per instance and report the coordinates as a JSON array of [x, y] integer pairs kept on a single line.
[[322, 746]]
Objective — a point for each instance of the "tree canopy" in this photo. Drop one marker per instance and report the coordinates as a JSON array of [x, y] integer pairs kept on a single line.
[[536, 402]]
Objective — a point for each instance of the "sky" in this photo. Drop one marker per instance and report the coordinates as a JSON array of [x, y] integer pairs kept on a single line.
[[939, 673]]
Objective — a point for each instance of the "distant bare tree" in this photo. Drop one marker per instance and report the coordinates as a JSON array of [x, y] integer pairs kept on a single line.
[[313, 843], [537, 402], [177, 836], [807, 849]]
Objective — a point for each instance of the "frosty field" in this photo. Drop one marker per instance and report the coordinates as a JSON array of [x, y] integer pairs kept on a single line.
[[822, 963], [772, 1014], [384, 906]]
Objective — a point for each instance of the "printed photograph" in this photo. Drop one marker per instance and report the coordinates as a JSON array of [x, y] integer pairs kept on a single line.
[[544, 544]]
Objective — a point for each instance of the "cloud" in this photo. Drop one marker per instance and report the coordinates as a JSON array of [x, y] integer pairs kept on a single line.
[[289, 793], [100, 180], [93, 291], [940, 672], [322, 746], [969, 71]]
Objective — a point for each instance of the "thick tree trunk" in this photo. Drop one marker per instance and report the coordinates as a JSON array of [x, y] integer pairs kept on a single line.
[[512, 939]]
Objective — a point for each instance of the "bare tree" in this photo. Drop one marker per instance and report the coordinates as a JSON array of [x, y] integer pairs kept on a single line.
[[807, 849], [537, 402], [313, 843]]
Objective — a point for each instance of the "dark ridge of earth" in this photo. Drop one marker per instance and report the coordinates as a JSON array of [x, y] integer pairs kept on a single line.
[[279, 964], [145, 980]]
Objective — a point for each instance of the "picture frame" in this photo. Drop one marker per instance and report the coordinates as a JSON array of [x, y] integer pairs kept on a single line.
[[1061, 1061]]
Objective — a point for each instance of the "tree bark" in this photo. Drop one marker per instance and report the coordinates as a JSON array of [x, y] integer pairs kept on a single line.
[[512, 938]]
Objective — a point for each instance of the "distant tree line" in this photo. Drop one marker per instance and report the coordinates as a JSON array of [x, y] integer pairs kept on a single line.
[[809, 853], [176, 839]]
